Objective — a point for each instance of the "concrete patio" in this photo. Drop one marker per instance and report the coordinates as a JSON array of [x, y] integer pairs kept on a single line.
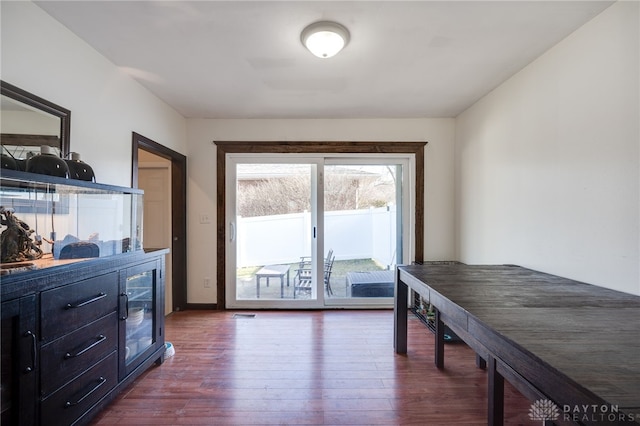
[[246, 282]]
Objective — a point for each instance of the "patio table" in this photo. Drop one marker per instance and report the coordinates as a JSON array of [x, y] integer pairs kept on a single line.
[[272, 271]]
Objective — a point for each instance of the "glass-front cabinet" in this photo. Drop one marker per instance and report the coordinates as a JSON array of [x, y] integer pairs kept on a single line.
[[141, 304]]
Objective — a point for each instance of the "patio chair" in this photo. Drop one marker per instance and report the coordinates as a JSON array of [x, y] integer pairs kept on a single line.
[[305, 261], [304, 267], [302, 280]]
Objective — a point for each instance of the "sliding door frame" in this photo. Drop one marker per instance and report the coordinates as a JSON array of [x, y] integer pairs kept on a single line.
[[307, 147]]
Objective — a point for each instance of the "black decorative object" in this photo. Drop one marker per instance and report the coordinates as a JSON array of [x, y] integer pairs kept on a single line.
[[8, 162], [21, 164], [80, 250], [15, 240], [47, 163], [80, 170]]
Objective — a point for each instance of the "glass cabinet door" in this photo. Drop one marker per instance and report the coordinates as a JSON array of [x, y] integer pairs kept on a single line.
[[141, 306], [139, 319]]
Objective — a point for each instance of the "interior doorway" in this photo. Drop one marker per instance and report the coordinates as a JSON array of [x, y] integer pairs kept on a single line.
[[154, 177], [161, 173]]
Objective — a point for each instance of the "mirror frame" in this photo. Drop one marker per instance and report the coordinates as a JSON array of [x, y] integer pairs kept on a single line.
[[37, 102]]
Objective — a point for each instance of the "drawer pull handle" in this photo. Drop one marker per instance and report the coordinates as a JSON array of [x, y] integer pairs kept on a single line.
[[34, 351], [86, 302], [101, 338], [101, 381]]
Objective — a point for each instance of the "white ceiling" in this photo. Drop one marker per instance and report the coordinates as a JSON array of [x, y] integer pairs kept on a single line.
[[244, 59]]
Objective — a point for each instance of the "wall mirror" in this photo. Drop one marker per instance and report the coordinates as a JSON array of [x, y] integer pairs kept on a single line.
[[28, 122]]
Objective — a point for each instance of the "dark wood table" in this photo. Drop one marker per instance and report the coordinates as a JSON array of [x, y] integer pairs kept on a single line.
[[574, 344]]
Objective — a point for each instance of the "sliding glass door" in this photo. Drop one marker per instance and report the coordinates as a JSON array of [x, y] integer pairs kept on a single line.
[[363, 218], [273, 227], [314, 231]]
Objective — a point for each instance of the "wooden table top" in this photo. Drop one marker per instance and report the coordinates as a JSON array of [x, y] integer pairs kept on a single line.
[[273, 270], [587, 333]]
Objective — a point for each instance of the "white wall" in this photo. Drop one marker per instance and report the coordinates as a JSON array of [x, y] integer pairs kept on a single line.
[[201, 192], [42, 56], [547, 165]]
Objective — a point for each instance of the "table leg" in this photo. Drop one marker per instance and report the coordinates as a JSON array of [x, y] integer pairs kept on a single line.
[[480, 362], [495, 400], [400, 317], [257, 287], [282, 286], [439, 349]]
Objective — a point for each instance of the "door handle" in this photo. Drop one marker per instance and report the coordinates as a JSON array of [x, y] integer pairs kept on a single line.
[[232, 226], [34, 351], [126, 305]]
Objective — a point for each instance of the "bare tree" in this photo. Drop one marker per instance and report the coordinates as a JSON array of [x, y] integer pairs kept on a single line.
[[292, 194], [275, 196]]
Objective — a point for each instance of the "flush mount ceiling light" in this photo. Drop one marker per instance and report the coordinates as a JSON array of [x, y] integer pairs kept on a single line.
[[325, 39]]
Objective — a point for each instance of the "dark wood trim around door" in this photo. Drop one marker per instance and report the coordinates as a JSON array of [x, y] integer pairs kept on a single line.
[[178, 207], [223, 148]]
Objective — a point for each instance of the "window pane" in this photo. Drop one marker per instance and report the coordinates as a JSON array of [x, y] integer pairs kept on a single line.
[[274, 230], [361, 226]]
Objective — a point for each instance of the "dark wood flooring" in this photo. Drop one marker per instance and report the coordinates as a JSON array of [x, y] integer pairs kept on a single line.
[[306, 368]]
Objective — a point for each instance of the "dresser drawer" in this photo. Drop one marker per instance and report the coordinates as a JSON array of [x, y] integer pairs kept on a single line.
[[66, 405], [65, 358], [67, 308]]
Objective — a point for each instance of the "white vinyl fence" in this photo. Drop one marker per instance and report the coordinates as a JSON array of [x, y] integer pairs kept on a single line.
[[352, 234]]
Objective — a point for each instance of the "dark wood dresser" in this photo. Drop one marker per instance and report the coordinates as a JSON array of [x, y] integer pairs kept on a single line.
[[74, 335]]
